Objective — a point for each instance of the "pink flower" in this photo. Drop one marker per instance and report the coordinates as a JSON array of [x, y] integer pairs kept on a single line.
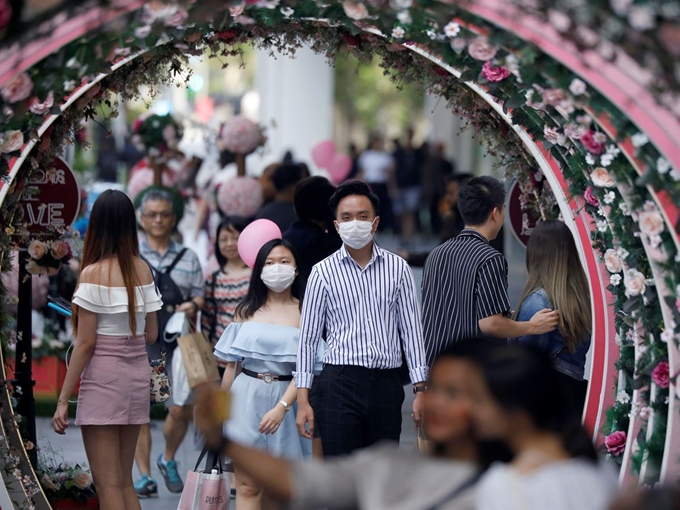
[[494, 74], [355, 10], [601, 178], [616, 442], [677, 304], [553, 136], [11, 141], [18, 88], [481, 49], [591, 198], [5, 13], [60, 250], [591, 143], [171, 15], [634, 282], [613, 261], [651, 222], [35, 106], [37, 249], [554, 97], [660, 375]]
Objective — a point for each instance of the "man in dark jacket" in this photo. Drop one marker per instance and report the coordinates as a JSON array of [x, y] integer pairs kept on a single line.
[[313, 235]]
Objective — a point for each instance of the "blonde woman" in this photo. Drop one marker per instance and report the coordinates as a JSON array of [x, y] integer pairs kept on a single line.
[[557, 281]]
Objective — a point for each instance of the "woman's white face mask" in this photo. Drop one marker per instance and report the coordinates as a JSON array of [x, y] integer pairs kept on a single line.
[[356, 234], [278, 277]]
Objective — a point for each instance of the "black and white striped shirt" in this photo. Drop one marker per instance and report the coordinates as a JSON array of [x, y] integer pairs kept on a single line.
[[366, 311], [464, 281]]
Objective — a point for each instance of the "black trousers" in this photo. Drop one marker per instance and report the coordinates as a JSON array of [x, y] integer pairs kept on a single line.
[[357, 407]]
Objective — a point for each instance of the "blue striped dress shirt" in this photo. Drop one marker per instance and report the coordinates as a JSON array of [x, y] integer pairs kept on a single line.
[[370, 315]]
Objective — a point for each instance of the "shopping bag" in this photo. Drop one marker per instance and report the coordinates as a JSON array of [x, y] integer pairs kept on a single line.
[[181, 391], [199, 360], [206, 490], [423, 445]]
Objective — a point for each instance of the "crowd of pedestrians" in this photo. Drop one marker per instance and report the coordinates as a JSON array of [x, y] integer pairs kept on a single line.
[[318, 340]]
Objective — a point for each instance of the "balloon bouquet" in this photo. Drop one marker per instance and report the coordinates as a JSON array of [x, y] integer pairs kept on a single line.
[[337, 165]]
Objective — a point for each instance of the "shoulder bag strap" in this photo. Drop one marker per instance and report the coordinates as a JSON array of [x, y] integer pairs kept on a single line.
[[172, 265], [213, 325], [457, 491], [153, 276]]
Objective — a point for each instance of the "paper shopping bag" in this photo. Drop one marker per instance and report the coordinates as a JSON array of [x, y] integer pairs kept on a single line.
[[215, 490], [423, 444], [199, 360], [190, 491]]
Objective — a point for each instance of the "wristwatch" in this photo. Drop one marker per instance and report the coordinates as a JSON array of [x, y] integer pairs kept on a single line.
[[285, 405], [418, 389]]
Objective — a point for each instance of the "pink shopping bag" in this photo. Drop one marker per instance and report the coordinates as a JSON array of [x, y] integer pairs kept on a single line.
[[191, 486], [206, 491]]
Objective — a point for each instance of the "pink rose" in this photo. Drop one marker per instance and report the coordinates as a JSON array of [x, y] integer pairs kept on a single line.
[[168, 14], [660, 375], [616, 442], [37, 249], [355, 10], [590, 198], [601, 178], [60, 250], [591, 143], [553, 136], [11, 141], [481, 49], [613, 261], [18, 88], [573, 131], [634, 281], [35, 106], [494, 74], [236, 10], [651, 223], [82, 480], [554, 97]]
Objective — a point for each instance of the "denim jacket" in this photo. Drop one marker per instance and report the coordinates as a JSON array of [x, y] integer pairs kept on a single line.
[[571, 364]]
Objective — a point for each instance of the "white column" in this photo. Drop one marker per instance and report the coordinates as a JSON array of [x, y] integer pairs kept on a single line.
[[296, 105]]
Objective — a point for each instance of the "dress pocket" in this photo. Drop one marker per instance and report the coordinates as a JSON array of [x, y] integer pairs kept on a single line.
[[101, 370]]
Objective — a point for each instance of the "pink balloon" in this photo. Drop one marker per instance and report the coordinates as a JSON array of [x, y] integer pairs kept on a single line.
[[322, 153], [254, 237], [339, 168]]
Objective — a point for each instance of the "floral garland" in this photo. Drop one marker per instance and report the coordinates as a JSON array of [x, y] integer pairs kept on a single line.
[[549, 101], [157, 135]]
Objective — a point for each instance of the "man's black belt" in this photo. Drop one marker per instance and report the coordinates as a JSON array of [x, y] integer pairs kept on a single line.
[[266, 377]]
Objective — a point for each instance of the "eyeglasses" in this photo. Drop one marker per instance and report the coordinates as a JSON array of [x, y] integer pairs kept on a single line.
[[164, 215]]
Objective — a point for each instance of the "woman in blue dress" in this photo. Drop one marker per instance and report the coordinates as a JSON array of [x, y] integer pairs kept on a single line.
[[260, 348]]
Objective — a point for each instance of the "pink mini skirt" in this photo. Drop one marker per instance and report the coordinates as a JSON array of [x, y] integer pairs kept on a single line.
[[115, 385]]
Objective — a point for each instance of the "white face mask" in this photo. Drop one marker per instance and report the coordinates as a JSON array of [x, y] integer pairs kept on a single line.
[[278, 277], [356, 234]]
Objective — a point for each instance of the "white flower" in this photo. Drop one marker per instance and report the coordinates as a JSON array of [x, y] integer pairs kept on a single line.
[[634, 281], [287, 11], [639, 139], [398, 32], [620, 7], [601, 212], [577, 87], [452, 29], [600, 137], [666, 335], [641, 18], [622, 253], [675, 174], [615, 279], [613, 150], [606, 160], [400, 5], [645, 411], [624, 208], [404, 17], [655, 241], [662, 165], [590, 159], [622, 397], [69, 85], [642, 348], [354, 10], [609, 197], [585, 120], [72, 63], [142, 32], [602, 226]]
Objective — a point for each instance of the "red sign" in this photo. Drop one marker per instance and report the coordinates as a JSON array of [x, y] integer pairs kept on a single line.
[[51, 199], [522, 220]]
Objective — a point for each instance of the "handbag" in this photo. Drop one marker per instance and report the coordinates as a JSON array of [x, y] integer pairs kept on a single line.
[[423, 445], [199, 360], [160, 384], [209, 489]]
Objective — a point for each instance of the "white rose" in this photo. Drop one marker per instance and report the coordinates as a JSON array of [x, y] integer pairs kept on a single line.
[[634, 281], [577, 87], [612, 261], [11, 141], [651, 223], [601, 178], [355, 10]]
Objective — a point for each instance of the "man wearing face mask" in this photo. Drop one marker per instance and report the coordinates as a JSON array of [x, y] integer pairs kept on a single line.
[[365, 298]]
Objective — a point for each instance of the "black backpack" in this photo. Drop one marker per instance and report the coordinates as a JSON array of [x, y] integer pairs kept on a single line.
[[170, 292]]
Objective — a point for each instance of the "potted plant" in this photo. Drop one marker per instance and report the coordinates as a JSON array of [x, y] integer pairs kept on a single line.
[[67, 486]]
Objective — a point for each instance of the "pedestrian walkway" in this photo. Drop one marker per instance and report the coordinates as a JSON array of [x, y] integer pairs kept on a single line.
[[72, 448]]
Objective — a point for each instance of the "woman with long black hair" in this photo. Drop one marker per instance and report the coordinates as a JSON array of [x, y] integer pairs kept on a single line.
[[261, 347], [555, 466]]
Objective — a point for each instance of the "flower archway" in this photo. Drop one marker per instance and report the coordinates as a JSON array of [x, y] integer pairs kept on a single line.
[[569, 103]]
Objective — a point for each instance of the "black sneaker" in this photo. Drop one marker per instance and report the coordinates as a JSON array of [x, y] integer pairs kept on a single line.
[[146, 487]]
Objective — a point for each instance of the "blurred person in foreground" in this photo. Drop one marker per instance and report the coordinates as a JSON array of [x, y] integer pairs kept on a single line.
[[657, 498], [383, 476]]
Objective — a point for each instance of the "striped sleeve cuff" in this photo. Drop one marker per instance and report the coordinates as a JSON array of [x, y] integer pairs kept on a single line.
[[418, 374], [303, 379]]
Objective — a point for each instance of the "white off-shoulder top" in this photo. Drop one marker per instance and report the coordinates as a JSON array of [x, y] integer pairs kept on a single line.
[[111, 306]]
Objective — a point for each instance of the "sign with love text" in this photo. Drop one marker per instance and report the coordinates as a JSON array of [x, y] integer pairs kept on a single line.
[[50, 199]]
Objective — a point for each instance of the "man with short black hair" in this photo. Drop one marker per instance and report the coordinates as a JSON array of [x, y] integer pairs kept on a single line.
[[364, 298], [313, 235], [280, 210], [465, 281]]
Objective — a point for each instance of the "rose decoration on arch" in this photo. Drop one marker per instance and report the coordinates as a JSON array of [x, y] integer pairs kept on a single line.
[[240, 135], [481, 49], [616, 442], [590, 197], [594, 142], [613, 261], [170, 15], [601, 178], [355, 10], [11, 141], [494, 74], [651, 223], [17, 89], [660, 375], [634, 282]]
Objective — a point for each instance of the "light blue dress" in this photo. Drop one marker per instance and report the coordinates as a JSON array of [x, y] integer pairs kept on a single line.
[[262, 348]]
